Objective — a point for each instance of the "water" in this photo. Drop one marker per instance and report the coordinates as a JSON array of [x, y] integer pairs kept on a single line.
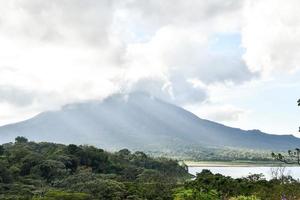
[[238, 171]]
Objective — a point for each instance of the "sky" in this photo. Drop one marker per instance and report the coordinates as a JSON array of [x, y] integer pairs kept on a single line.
[[235, 62]]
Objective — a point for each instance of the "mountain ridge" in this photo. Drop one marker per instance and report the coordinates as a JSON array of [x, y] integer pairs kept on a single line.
[[139, 121]]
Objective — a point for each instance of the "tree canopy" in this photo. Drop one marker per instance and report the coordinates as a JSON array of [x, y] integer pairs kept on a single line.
[[49, 171]]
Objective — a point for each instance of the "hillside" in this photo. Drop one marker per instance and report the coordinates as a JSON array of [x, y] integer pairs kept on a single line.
[[48, 171]]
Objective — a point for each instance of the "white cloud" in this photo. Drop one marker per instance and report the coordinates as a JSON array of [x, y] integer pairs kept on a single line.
[[177, 90], [65, 21], [62, 51], [177, 55], [270, 34], [211, 16], [218, 113]]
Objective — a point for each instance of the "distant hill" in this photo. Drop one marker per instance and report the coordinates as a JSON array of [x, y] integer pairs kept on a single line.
[[139, 121]]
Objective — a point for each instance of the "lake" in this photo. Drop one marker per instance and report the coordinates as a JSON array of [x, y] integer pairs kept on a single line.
[[243, 171]]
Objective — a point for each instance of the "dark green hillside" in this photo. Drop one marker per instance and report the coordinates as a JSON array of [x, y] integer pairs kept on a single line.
[[35, 170], [49, 171]]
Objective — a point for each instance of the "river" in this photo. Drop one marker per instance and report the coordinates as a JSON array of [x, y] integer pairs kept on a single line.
[[243, 171]]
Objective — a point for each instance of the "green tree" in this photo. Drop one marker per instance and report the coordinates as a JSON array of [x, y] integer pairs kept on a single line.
[[30, 170], [102, 189], [61, 195], [1, 150], [52, 169], [5, 175], [28, 162], [190, 194], [73, 149], [21, 139]]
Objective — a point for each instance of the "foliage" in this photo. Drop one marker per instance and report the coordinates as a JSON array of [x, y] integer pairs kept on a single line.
[[48, 171], [61, 195], [21, 139], [252, 187], [292, 157], [244, 198], [198, 153], [191, 194]]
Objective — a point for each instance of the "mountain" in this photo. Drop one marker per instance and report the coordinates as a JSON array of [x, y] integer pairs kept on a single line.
[[139, 121]]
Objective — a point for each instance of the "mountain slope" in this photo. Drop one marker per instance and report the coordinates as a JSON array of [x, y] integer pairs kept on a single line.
[[138, 121]]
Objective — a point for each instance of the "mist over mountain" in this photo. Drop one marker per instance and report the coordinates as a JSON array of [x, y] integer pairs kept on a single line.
[[138, 121]]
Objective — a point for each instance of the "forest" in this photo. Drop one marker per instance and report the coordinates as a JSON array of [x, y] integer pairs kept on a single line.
[[49, 171]]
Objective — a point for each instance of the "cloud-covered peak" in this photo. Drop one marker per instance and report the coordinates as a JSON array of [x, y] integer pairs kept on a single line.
[[58, 52]]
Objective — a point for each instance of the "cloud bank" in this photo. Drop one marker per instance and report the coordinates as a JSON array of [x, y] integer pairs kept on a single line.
[[63, 51]]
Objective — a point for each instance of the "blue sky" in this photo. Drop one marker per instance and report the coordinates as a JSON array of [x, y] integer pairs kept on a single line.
[[271, 103], [227, 43]]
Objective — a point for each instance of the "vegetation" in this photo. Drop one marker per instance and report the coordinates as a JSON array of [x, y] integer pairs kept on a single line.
[[208, 186], [197, 153], [48, 171], [292, 156]]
